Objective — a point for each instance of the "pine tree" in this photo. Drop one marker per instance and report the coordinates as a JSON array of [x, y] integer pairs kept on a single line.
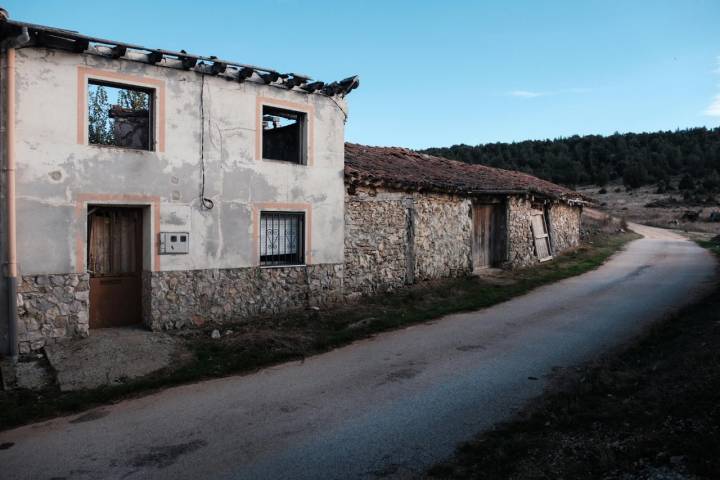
[[686, 183], [133, 99], [99, 128]]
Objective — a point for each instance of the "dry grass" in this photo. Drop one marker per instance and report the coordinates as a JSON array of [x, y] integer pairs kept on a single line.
[[632, 205]]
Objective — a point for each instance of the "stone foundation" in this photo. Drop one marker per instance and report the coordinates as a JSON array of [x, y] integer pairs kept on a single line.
[[193, 297], [55, 307], [51, 308]]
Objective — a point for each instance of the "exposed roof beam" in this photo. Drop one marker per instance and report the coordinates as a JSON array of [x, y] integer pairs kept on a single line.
[[118, 51], [69, 40], [218, 67], [154, 57], [245, 73]]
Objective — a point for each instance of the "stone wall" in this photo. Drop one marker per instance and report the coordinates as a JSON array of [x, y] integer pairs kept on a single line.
[[443, 236], [52, 307], [564, 223], [395, 238], [521, 247], [193, 297], [376, 241]]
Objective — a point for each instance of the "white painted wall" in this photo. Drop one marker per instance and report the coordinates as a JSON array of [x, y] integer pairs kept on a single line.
[[53, 168]]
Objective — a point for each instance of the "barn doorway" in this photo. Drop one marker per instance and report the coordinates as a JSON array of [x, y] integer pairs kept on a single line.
[[489, 236], [115, 261]]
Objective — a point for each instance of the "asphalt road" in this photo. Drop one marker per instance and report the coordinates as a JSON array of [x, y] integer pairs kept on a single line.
[[384, 407]]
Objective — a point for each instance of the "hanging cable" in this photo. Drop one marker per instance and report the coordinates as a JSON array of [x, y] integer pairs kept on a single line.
[[345, 115], [205, 202]]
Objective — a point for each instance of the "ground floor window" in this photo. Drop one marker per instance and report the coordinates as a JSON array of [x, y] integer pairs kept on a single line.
[[282, 238]]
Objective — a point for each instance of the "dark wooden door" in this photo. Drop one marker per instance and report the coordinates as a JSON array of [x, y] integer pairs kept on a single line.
[[489, 237], [115, 265]]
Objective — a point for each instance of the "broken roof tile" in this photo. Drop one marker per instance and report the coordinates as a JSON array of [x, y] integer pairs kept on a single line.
[[57, 38]]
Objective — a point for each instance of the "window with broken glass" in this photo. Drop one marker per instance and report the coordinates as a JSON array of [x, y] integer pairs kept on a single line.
[[282, 238], [283, 135], [119, 115]]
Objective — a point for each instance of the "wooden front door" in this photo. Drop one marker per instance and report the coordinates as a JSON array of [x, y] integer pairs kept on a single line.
[[489, 236], [115, 265]]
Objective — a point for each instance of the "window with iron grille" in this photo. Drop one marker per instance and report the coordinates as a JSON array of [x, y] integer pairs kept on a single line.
[[282, 238]]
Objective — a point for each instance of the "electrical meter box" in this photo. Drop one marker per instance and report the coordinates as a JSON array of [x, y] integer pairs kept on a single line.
[[174, 243]]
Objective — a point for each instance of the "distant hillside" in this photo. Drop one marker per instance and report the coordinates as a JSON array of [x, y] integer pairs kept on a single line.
[[636, 158]]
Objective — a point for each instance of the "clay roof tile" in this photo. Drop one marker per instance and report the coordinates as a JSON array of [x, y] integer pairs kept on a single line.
[[400, 167]]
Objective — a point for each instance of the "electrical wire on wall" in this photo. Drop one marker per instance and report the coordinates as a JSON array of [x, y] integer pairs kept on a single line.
[[205, 202], [345, 115]]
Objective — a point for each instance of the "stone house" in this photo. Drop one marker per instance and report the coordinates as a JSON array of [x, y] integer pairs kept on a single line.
[[144, 186], [158, 187], [412, 217]]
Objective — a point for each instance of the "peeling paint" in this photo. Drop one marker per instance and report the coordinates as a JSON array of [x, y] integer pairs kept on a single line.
[[53, 169]]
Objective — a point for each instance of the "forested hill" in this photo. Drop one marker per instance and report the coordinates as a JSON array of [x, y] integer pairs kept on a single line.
[[636, 158]]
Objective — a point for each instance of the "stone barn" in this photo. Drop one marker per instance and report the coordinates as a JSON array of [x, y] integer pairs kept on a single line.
[[411, 217]]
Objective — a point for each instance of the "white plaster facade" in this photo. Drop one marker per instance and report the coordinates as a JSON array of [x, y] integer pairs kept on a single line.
[[58, 173]]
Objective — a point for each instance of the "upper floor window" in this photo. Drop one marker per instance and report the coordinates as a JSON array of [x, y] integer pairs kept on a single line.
[[120, 115], [284, 135]]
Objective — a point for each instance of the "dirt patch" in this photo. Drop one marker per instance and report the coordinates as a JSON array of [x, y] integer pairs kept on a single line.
[[402, 374], [112, 356], [162, 457], [650, 411], [90, 416], [470, 348]]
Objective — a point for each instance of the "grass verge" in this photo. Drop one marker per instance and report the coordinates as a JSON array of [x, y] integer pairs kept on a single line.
[[260, 342], [651, 411]]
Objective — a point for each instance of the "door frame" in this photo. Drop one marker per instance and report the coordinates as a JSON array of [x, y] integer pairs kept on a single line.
[[130, 284], [151, 231], [499, 221], [151, 225]]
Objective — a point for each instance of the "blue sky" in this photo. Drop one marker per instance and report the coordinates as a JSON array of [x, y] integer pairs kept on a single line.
[[440, 73]]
